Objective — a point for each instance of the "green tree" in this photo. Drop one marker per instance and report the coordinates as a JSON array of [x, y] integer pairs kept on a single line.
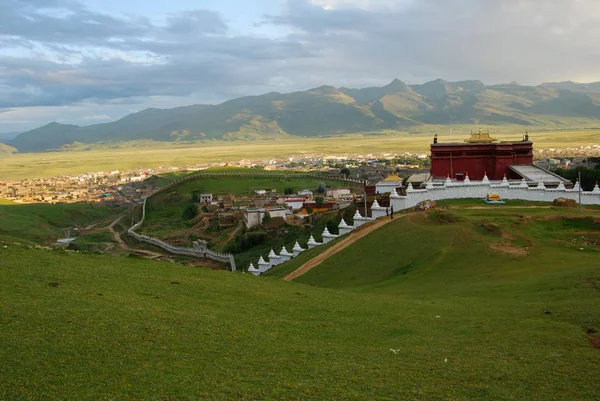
[[345, 172], [319, 202], [189, 212], [266, 218], [195, 197], [309, 210], [288, 191]]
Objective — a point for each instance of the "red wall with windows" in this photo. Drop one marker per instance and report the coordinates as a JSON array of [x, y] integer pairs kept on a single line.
[[477, 159]]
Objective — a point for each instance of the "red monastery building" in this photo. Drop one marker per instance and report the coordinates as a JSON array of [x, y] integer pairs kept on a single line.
[[479, 155]]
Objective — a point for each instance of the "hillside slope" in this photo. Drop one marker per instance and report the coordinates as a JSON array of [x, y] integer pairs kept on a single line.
[[328, 111], [429, 311]]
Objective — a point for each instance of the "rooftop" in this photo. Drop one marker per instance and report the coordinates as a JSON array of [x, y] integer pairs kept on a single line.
[[392, 177], [533, 173]]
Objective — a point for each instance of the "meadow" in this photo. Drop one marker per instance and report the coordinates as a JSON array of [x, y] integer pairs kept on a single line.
[[40, 222], [148, 154], [494, 303]]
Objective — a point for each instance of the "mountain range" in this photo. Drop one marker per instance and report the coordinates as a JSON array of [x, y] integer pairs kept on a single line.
[[326, 111]]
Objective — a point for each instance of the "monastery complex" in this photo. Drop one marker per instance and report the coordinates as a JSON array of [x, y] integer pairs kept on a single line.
[[476, 169]]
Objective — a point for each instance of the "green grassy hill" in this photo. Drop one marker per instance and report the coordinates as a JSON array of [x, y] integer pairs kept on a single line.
[[465, 321], [328, 111], [41, 222]]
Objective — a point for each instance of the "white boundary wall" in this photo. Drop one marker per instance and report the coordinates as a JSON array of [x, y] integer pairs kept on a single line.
[[480, 190], [195, 253]]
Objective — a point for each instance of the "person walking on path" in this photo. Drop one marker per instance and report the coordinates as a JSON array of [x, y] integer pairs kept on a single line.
[[387, 211], [392, 212]]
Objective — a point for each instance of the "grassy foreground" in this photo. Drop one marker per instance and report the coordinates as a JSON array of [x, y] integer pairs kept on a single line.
[[466, 319]]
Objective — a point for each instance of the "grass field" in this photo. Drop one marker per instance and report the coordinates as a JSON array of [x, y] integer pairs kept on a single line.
[[46, 222], [477, 304], [149, 155]]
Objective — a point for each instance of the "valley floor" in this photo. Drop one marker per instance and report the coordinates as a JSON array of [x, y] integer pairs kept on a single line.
[[146, 155]]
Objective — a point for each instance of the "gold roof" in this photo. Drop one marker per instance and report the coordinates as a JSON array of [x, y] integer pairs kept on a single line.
[[393, 177], [480, 137]]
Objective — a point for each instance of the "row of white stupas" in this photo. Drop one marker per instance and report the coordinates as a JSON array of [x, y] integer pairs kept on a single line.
[[498, 184], [274, 259]]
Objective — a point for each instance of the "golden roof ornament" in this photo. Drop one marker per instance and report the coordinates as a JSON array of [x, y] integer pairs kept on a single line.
[[480, 137], [392, 177]]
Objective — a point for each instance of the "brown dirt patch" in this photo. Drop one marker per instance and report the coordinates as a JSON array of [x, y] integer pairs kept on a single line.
[[594, 341], [593, 283], [509, 249], [507, 235]]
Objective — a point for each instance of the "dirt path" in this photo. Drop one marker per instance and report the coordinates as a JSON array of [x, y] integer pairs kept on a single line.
[[234, 232], [349, 240], [123, 245]]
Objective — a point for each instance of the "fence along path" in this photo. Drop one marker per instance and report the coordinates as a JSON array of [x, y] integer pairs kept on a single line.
[[225, 258]]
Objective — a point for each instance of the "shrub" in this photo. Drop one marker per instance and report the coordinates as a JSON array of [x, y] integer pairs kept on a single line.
[[319, 202], [190, 212]]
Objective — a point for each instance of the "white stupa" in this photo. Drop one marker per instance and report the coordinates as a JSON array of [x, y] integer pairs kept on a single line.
[[274, 259], [297, 250], [523, 184], [327, 236], [285, 255], [253, 270], [263, 266], [344, 228], [312, 243]]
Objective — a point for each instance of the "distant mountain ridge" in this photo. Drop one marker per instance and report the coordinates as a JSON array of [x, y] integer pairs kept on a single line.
[[5, 136], [326, 111]]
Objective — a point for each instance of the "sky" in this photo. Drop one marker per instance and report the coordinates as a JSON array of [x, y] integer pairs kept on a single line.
[[92, 61]]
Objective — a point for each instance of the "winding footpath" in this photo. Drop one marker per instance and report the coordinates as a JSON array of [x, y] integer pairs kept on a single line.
[[349, 240], [124, 246]]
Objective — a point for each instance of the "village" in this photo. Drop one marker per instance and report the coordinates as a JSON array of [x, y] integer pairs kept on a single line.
[[129, 187]]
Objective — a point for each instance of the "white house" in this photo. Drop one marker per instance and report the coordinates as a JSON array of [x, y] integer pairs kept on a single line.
[[294, 203], [206, 198], [254, 217], [389, 185], [305, 192], [337, 192]]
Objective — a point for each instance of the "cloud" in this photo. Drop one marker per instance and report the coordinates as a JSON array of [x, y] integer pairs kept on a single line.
[[58, 53], [494, 40]]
